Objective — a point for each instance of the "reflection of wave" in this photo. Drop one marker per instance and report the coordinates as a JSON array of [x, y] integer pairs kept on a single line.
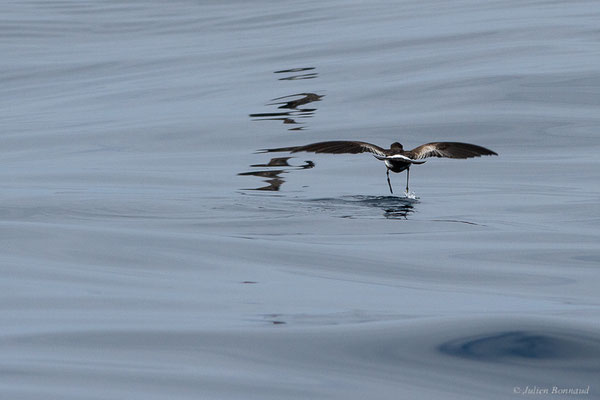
[[361, 206], [274, 175]]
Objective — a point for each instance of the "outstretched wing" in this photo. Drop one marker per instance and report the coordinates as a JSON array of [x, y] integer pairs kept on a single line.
[[334, 147], [449, 150]]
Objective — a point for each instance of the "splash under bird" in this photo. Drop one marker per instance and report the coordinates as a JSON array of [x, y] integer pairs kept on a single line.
[[396, 159]]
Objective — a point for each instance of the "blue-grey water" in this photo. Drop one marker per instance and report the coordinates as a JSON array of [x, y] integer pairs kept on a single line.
[[138, 259]]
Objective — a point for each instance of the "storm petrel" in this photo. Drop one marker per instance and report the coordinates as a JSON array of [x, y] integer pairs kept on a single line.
[[396, 158]]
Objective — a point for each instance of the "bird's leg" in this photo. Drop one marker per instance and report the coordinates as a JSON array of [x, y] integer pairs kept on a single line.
[[388, 179], [407, 174]]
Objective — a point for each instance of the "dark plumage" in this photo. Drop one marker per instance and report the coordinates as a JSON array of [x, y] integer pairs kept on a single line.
[[396, 158]]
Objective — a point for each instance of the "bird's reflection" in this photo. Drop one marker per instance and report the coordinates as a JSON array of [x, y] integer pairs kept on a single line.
[[361, 206], [275, 162], [274, 178], [294, 104], [288, 110], [291, 103], [400, 212], [309, 75], [393, 207]]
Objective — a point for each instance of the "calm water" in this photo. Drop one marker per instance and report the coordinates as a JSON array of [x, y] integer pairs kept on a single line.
[[148, 251]]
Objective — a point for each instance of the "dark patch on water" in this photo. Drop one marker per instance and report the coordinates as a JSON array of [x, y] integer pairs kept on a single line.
[[519, 346], [593, 258]]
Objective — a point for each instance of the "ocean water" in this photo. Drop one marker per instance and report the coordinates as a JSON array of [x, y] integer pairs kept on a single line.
[[148, 250]]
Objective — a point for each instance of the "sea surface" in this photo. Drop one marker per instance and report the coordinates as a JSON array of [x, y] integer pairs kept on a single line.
[[149, 250]]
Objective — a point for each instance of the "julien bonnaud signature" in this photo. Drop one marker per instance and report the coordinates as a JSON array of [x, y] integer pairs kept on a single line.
[[551, 390]]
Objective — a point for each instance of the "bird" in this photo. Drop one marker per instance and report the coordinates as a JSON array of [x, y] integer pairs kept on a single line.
[[396, 159]]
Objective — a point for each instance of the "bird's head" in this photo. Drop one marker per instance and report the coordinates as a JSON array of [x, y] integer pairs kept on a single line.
[[396, 146]]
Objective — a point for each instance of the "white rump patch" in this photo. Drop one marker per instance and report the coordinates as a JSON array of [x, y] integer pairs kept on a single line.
[[398, 157]]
